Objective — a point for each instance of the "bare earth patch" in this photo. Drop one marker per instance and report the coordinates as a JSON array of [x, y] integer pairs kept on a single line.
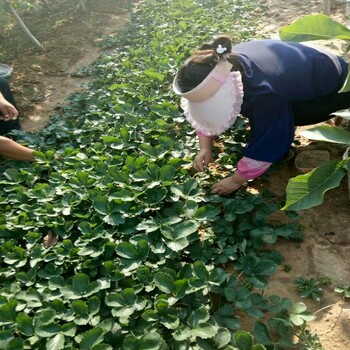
[[42, 80]]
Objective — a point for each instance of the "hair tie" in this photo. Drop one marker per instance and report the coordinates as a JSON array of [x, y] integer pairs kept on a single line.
[[220, 49]]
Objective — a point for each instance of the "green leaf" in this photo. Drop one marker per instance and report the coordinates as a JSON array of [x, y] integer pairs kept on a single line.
[[299, 314], [69, 329], [178, 245], [262, 334], [5, 338], [143, 249], [207, 212], [200, 270], [306, 191], [47, 331], [151, 341], [25, 324], [81, 282], [91, 338], [198, 317], [222, 338], [154, 74], [167, 173], [164, 282], [150, 316], [55, 343], [126, 298], [49, 271], [127, 250], [185, 229], [8, 312], [80, 308], [204, 331], [45, 317], [314, 27], [328, 133], [101, 205], [15, 344], [83, 177], [258, 347], [345, 88], [114, 219], [243, 340], [265, 268]]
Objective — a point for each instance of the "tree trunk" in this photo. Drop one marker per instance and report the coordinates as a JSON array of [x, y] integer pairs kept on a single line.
[[327, 7], [347, 13], [24, 27], [82, 5]]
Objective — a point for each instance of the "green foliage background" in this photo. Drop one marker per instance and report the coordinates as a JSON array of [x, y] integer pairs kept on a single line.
[[143, 245]]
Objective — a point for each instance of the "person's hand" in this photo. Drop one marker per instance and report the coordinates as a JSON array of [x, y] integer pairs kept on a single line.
[[8, 111], [227, 186], [202, 159]]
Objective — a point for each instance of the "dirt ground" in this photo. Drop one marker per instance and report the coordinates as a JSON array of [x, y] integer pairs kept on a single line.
[[42, 80]]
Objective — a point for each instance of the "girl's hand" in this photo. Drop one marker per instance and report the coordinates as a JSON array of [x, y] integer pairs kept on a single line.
[[8, 111], [228, 185], [202, 159]]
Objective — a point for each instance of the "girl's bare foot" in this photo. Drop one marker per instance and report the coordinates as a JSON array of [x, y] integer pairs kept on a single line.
[[50, 239]]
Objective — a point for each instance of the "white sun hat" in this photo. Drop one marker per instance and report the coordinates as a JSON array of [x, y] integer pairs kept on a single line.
[[213, 105]]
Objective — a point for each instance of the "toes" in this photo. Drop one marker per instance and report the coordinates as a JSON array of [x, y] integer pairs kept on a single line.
[[50, 239]]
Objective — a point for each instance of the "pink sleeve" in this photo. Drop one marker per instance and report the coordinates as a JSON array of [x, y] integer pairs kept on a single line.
[[251, 168]]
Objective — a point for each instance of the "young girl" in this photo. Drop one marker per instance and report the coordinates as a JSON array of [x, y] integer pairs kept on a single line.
[[275, 84]]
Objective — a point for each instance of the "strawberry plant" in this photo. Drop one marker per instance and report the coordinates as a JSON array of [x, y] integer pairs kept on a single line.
[[309, 288], [147, 258], [343, 290]]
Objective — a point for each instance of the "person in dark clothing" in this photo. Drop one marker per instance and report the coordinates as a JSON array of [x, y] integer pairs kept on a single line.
[[8, 110], [277, 85], [9, 121]]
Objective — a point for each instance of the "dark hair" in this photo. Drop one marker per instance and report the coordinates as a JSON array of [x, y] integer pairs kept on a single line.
[[203, 61]]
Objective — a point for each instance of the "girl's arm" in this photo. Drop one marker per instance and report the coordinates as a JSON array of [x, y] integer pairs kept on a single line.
[[13, 150], [203, 157]]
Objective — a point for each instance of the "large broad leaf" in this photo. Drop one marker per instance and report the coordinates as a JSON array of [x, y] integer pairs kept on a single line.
[[306, 191], [314, 27], [346, 88], [345, 113], [328, 133]]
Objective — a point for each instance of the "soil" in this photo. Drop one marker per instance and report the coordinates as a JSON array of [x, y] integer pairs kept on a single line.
[[71, 37], [41, 81], [306, 161]]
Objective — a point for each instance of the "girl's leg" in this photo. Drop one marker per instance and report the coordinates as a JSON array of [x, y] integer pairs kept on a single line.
[[7, 126], [319, 110]]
